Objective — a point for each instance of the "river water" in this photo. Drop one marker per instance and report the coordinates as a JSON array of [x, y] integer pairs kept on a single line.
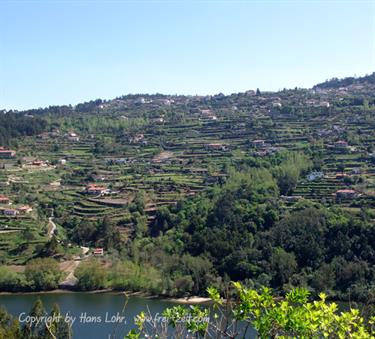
[[93, 315], [87, 309]]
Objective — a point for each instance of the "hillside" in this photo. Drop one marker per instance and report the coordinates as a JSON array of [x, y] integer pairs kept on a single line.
[[367, 80], [185, 192]]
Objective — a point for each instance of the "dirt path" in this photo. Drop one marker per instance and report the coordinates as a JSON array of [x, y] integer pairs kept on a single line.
[[51, 227], [69, 267]]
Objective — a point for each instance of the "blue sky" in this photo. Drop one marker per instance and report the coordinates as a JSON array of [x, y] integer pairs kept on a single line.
[[65, 52]]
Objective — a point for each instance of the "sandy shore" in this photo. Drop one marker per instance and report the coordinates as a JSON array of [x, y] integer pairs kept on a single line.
[[193, 300], [190, 300]]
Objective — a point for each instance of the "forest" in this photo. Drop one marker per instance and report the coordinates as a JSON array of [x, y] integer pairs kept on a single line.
[[13, 125]]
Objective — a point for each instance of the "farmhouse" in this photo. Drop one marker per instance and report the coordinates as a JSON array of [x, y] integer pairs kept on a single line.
[[39, 163], [340, 176], [43, 136], [24, 209], [216, 147], [341, 145], [291, 198], [140, 101], [10, 212], [98, 252], [346, 194], [314, 175], [73, 136], [159, 120], [4, 199], [207, 114], [55, 133], [258, 143], [137, 138], [97, 177], [260, 153], [6, 153], [96, 190], [356, 170]]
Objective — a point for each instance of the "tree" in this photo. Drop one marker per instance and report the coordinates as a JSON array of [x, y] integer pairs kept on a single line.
[[11, 281], [302, 233], [287, 178], [294, 316], [9, 327], [107, 234], [34, 329], [27, 234], [91, 275], [56, 327], [283, 265], [43, 273], [84, 232], [51, 247]]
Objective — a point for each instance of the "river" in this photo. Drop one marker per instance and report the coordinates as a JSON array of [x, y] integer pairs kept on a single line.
[[87, 307]]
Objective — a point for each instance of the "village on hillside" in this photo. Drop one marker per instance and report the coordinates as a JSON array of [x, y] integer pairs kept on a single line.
[[126, 159]]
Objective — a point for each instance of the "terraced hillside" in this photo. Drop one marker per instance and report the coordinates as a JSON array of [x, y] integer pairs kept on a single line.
[[143, 153]]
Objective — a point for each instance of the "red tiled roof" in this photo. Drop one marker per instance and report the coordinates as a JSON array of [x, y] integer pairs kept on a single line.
[[95, 187], [345, 191]]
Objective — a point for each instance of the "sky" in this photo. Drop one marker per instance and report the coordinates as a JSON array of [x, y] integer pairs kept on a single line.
[[66, 52]]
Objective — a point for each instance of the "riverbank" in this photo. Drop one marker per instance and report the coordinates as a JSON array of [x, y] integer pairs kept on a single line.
[[193, 300]]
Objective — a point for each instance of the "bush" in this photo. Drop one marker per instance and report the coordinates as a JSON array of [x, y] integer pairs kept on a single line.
[[291, 317], [91, 275], [11, 281], [130, 276], [43, 274]]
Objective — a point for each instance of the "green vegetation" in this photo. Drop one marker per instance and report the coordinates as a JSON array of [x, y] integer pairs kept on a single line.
[[91, 276], [183, 193], [40, 274], [38, 325], [14, 125], [294, 316]]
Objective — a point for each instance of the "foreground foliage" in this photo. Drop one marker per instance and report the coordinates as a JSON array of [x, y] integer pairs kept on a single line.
[[38, 324], [291, 317]]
